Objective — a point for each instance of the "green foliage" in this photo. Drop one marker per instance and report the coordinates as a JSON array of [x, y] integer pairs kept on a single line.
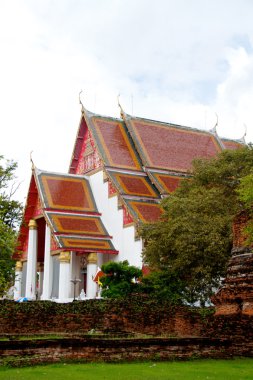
[[163, 286], [225, 170], [120, 279], [7, 242], [194, 237], [245, 190], [245, 193], [10, 217]]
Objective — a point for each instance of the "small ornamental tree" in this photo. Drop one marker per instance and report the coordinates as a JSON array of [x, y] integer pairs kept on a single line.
[[120, 279]]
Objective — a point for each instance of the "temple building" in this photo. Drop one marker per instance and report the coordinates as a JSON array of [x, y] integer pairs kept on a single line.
[[119, 171]]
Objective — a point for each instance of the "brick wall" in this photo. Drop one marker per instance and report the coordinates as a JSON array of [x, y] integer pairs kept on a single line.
[[132, 315], [108, 350], [184, 332]]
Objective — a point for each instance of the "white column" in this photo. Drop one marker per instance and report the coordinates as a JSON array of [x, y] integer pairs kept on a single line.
[[75, 274], [48, 267], [18, 280], [40, 270], [30, 289], [64, 277], [91, 288]]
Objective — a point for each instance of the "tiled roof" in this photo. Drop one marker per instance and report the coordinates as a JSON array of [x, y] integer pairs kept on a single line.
[[113, 142], [146, 159], [69, 207], [231, 144], [144, 211], [143, 159], [123, 164], [168, 146], [71, 210], [133, 184], [87, 244], [66, 192], [165, 182], [77, 224]]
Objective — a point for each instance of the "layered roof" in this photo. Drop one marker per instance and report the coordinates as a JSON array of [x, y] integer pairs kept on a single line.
[[68, 205], [113, 143], [123, 165], [232, 144], [70, 208], [145, 159], [168, 146], [66, 192]]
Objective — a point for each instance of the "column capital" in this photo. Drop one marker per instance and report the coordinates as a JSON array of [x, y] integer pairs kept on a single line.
[[92, 258], [32, 224], [64, 257], [18, 266]]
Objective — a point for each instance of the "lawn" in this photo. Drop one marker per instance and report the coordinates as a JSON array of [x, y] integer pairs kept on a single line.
[[238, 369]]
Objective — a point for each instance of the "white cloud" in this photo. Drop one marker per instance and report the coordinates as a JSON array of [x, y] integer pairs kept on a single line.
[[235, 93], [179, 61]]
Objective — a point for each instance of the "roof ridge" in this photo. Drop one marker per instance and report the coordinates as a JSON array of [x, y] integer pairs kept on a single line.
[[169, 124], [92, 114], [241, 140]]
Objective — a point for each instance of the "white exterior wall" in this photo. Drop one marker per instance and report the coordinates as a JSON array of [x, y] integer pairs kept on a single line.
[[123, 238]]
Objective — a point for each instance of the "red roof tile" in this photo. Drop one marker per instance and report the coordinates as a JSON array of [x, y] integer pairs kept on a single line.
[[170, 147], [113, 142], [231, 144], [166, 183], [86, 244], [132, 184], [68, 205], [65, 192], [66, 223], [145, 211]]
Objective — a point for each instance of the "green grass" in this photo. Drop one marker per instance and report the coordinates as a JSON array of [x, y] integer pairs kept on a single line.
[[238, 369]]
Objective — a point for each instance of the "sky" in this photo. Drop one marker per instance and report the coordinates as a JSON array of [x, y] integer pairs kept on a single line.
[[178, 61]]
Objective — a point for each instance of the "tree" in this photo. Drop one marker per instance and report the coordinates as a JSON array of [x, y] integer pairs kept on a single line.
[[163, 286], [245, 192], [10, 217], [120, 279], [7, 243], [194, 237]]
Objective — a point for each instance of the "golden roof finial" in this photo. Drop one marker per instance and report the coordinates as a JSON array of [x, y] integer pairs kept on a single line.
[[80, 101], [242, 139], [33, 166], [214, 129], [245, 133], [122, 113]]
